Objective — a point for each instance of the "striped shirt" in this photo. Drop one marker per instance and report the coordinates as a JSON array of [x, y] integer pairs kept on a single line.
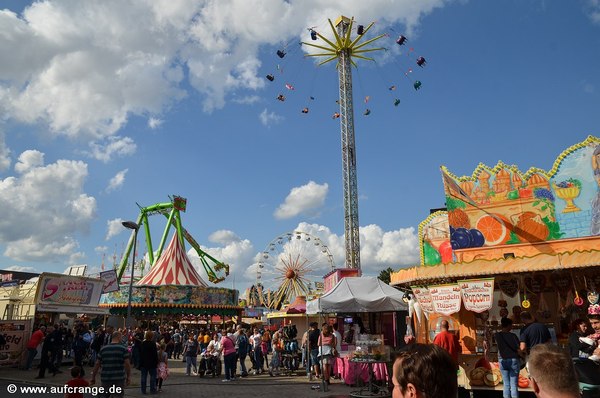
[[112, 360]]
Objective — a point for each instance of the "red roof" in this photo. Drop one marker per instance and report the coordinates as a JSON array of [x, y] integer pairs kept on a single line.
[[173, 268]]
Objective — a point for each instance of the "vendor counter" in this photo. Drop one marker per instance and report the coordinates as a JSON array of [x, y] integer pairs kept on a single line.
[[353, 372], [472, 380]]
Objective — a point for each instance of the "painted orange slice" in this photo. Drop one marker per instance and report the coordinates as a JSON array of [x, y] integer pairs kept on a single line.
[[493, 228]]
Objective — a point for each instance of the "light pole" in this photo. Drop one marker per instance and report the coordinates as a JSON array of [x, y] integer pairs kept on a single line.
[[131, 225]]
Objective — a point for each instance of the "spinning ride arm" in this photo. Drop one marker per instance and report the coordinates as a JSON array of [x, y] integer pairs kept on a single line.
[[171, 211]]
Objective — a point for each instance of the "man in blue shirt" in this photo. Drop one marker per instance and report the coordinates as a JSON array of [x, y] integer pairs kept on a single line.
[[533, 333]]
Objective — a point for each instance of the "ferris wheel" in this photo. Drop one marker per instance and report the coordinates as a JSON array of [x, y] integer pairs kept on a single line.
[[293, 264]]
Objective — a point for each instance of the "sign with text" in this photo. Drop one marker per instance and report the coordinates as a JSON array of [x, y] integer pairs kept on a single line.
[[423, 296], [477, 294], [15, 333], [445, 298], [69, 290], [111, 283]]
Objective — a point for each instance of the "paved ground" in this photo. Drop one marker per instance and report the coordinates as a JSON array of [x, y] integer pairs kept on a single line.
[[180, 386]]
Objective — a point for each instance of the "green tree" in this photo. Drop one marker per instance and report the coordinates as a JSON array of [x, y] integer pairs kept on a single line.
[[386, 275]]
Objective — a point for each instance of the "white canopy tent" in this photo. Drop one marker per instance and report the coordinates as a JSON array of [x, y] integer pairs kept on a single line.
[[364, 294]]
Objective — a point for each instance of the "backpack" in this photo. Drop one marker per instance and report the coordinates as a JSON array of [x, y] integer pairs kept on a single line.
[[243, 344]]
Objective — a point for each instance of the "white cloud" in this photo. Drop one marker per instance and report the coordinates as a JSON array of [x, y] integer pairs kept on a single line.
[[232, 250], [82, 70], [28, 160], [20, 268], [306, 199], [246, 100], [154, 123], [267, 118], [114, 227], [379, 249], [101, 249], [593, 10], [117, 181], [44, 208], [112, 146], [4, 154]]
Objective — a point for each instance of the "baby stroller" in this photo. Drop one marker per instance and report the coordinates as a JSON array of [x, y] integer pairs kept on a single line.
[[210, 364]]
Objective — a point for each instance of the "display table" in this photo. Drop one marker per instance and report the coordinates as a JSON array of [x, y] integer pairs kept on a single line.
[[360, 371]]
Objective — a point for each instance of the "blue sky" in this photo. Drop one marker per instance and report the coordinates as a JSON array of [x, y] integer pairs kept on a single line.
[[107, 104]]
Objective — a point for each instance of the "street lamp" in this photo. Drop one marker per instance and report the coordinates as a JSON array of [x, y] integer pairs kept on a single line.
[[131, 225]]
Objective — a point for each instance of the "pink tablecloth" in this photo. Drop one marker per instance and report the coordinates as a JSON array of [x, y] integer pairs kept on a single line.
[[352, 371]]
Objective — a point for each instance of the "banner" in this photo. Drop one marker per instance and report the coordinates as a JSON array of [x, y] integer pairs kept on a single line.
[[111, 283], [424, 298], [445, 298], [15, 333], [477, 294], [58, 289]]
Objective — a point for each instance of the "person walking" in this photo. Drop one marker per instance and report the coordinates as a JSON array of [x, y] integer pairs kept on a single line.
[[313, 348], [243, 347], [114, 367], [327, 346], [256, 340], [228, 351], [509, 357], [148, 362], [35, 340], [46, 355], [177, 344], [162, 371], [190, 352]]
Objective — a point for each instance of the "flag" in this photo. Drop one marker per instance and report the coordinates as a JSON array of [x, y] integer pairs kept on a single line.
[[454, 190]]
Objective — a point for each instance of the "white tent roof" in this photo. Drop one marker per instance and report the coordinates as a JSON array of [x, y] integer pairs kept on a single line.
[[364, 294]]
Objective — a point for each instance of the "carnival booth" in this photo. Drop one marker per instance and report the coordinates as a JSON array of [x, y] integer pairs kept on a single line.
[[171, 290], [369, 357], [509, 242]]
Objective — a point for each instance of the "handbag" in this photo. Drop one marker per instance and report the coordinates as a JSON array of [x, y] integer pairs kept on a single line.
[[324, 350]]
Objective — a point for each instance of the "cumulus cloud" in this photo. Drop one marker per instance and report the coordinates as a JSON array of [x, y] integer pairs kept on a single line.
[[154, 123], [378, 249], [29, 160], [4, 154], [80, 69], [117, 181], [306, 199], [593, 10], [268, 118], [114, 227], [20, 268], [44, 208], [232, 250], [106, 150]]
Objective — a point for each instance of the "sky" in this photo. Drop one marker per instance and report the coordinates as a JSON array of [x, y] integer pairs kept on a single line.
[[107, 105]]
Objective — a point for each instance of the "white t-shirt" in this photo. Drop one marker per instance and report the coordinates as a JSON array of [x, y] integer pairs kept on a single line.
[[338, 339]]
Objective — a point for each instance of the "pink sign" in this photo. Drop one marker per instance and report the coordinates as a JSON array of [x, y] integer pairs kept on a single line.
[[424, 298], [477, 294], [446, 298]]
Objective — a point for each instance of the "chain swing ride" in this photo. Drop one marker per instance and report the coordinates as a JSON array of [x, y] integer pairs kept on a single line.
[[344, 49]]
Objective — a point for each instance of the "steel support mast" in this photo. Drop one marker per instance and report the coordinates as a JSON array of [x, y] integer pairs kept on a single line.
[[343, 48], [351, 226]]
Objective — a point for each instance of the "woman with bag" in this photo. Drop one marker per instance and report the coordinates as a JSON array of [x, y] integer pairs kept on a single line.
[[509, 357], [190, 353], [162, 371], [327, 350]]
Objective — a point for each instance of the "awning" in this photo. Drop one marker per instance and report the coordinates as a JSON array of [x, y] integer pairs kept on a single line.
[[540, 262], [70, 309]]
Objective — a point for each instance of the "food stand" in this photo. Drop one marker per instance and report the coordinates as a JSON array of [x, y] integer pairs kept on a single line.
[[531, 237]]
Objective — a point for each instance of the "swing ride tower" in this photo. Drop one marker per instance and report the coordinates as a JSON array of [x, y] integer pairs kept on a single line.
[[343, 49]]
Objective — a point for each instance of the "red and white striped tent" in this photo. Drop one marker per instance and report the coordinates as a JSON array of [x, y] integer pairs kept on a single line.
[[173, 268]]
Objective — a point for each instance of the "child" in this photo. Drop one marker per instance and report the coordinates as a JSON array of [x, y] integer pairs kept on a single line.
[[77, 382], [162, 371]]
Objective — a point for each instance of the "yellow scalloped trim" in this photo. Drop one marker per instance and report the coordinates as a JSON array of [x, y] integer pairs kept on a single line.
[[422, 225], [531, 171]]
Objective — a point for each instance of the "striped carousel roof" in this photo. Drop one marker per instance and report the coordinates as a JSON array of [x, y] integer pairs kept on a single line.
[[173, 268]]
